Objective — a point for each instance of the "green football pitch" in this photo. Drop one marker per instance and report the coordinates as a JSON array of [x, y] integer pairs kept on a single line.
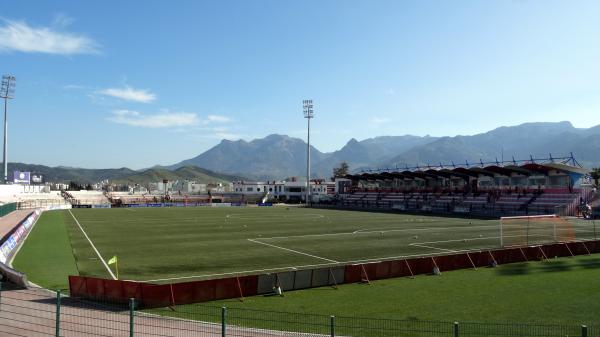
[[181, 244]]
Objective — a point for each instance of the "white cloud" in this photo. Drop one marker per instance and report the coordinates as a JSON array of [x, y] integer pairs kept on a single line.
[[215, 132], [379, 120], [227, 135], [73, 87], [129, 94], [220, 129], [217, 119], [159, 120], [62, 20], [19, 36]]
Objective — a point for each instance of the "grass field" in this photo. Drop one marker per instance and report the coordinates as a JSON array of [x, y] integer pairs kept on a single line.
[[47, 255], [561, 291], [179, 244]]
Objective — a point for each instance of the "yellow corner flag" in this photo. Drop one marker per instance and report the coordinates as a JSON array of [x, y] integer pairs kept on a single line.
[[115, 261]]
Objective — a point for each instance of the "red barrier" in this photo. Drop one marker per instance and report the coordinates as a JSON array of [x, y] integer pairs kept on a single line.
[[162, 295], [352, 273]]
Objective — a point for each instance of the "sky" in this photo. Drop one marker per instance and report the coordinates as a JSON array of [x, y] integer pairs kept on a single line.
[[134, 84]]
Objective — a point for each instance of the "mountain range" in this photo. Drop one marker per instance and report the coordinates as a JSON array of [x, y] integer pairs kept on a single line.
[[122, 175], [280, 156]]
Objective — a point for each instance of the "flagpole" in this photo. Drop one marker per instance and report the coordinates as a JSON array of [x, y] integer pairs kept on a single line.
[[117, 266]]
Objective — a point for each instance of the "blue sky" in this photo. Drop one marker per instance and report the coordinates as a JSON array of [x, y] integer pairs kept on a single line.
[[116, 83]]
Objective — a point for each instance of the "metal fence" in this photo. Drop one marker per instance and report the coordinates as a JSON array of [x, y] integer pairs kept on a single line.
[[486, 210], [39, 312], [43, 203]]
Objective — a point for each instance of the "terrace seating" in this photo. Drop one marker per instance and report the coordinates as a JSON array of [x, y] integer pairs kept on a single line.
[[87, 198], [505, 202]]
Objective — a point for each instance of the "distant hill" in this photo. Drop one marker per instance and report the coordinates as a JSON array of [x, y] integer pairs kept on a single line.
[[279, 156], [121, 175], [66, 174], [194, 173], [521, 141], [368, 152], [274, 156]]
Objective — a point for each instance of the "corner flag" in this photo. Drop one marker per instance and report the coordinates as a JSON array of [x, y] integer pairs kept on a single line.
[[115, 261]]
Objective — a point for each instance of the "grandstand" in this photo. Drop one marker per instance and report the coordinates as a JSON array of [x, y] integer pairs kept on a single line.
[[493, 190], [31, 196], [183, 199], [86, 198]]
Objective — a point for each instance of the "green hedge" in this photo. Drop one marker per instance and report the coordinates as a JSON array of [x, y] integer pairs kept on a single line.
[[7, 208]]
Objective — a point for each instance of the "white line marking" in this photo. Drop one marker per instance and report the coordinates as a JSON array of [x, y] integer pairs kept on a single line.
[[94, 247], [377, 259], [378, 231], [293, 251], [292, 268], [430, 247], [238, 272], [464, 239]]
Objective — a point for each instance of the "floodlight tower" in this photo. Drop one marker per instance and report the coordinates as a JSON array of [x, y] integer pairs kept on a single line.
[[307, 105], [7, 91]]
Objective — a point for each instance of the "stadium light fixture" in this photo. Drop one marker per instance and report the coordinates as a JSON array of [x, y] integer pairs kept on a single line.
[[307, 106], [7, 91]]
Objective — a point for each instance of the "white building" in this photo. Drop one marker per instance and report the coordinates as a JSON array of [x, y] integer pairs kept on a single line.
[[188, 187], [291, 189]]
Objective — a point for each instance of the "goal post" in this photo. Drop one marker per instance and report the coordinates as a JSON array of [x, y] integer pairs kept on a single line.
[[535, 229]]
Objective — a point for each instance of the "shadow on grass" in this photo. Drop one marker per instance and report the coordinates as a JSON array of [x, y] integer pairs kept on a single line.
[[590, 263], [550, 266], [513, 269], [554, 266]]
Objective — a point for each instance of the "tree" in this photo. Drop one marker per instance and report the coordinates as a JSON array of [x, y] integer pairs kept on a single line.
[[341, 170], [74, 186], [596, 175]]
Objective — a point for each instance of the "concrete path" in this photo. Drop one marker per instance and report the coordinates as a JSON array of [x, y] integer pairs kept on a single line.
[[32, 313], [9, 221]]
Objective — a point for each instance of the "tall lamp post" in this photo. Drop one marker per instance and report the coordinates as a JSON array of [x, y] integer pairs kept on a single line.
[[307, 105], [7, 91]]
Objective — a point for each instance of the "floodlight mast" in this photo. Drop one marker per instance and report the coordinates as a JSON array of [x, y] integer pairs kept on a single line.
[[307, 105], [7, 91]]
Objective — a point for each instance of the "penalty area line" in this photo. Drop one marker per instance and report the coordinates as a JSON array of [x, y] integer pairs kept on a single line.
[[293, 251], [300, 267], [239, 273], [93, 247], [430, 247]]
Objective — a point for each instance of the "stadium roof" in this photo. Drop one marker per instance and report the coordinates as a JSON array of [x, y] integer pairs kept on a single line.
[[527, 169], [568, 168]]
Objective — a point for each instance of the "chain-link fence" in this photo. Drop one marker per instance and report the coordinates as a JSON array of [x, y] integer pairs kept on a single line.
[[39, 312]]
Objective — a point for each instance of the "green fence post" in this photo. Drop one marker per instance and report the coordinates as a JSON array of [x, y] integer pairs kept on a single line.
[[131, 314], [57, 332], [223, 321], [455, 329], [332, 326], [584, 331]]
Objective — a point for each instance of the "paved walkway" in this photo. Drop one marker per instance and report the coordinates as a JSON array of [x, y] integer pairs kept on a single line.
[[9, 221], [32, 313]]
